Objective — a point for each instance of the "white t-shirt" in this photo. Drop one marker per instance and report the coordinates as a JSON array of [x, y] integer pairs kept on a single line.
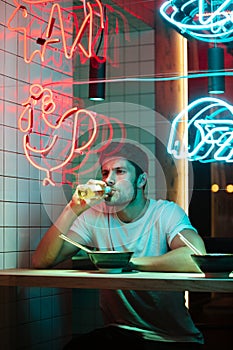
[[160, 316]]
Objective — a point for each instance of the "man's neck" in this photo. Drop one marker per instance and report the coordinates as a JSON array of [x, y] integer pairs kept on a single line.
[[134, 211]]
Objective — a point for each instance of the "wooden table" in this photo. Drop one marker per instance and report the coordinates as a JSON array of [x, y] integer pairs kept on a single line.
[[57, 278]]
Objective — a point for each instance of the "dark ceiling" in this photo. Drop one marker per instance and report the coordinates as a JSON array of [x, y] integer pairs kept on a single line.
[[141, 9]]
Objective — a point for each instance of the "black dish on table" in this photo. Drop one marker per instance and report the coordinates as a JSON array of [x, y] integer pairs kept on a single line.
[[214, 264], [104, 261]]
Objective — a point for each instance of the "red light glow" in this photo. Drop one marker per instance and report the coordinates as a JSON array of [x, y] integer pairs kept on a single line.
[[53, 37]]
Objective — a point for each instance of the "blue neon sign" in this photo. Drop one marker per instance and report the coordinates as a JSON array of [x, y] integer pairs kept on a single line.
[[210, 21], [208, 132]]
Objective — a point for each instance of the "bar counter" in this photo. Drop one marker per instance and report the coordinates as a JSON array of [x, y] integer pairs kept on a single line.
[[163, 281]]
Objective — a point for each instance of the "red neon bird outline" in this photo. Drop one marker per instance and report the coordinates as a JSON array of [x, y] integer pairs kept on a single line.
[[46, 96], [49, 39]]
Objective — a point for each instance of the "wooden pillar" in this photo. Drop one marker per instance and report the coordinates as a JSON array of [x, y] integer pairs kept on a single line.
[[171, 97]]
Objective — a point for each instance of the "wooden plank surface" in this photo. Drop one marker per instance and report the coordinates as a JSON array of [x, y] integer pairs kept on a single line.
[[53, 278]]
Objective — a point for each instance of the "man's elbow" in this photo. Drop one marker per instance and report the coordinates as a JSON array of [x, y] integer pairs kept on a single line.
[[39, 263]]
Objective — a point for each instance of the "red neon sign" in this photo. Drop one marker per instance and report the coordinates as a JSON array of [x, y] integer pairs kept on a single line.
[[48, 31], [39, 121], [55, 30], [47, 107]]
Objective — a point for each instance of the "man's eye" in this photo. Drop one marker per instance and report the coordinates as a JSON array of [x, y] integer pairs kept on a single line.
[[104, 173], [120, 171]]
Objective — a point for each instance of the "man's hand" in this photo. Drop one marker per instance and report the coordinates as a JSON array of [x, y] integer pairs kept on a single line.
[[90, 193]]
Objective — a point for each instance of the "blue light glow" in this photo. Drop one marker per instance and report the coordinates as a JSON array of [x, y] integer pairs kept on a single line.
[[201, 19], [208, 133]]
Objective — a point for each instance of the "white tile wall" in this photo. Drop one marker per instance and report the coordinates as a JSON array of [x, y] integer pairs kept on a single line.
[[42, 317]]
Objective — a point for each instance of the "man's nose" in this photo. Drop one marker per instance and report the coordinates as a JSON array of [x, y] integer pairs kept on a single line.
[[110, 180]]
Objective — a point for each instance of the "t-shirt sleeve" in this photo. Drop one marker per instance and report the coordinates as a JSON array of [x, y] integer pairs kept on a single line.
[[79, 230], [177, 220]]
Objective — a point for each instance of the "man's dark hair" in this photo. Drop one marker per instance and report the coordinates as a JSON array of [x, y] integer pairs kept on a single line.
[[129, 151]]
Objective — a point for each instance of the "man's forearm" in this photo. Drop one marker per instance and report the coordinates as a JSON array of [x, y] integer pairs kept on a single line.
[[177, 260], [49, 248]]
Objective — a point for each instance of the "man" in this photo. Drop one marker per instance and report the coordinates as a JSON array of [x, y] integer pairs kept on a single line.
[[127, 220]]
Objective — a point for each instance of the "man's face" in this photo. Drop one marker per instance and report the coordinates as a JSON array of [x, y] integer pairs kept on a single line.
[[120, 174]]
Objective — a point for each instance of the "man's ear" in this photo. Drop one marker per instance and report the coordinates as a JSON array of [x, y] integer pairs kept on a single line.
[[142, 179]]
